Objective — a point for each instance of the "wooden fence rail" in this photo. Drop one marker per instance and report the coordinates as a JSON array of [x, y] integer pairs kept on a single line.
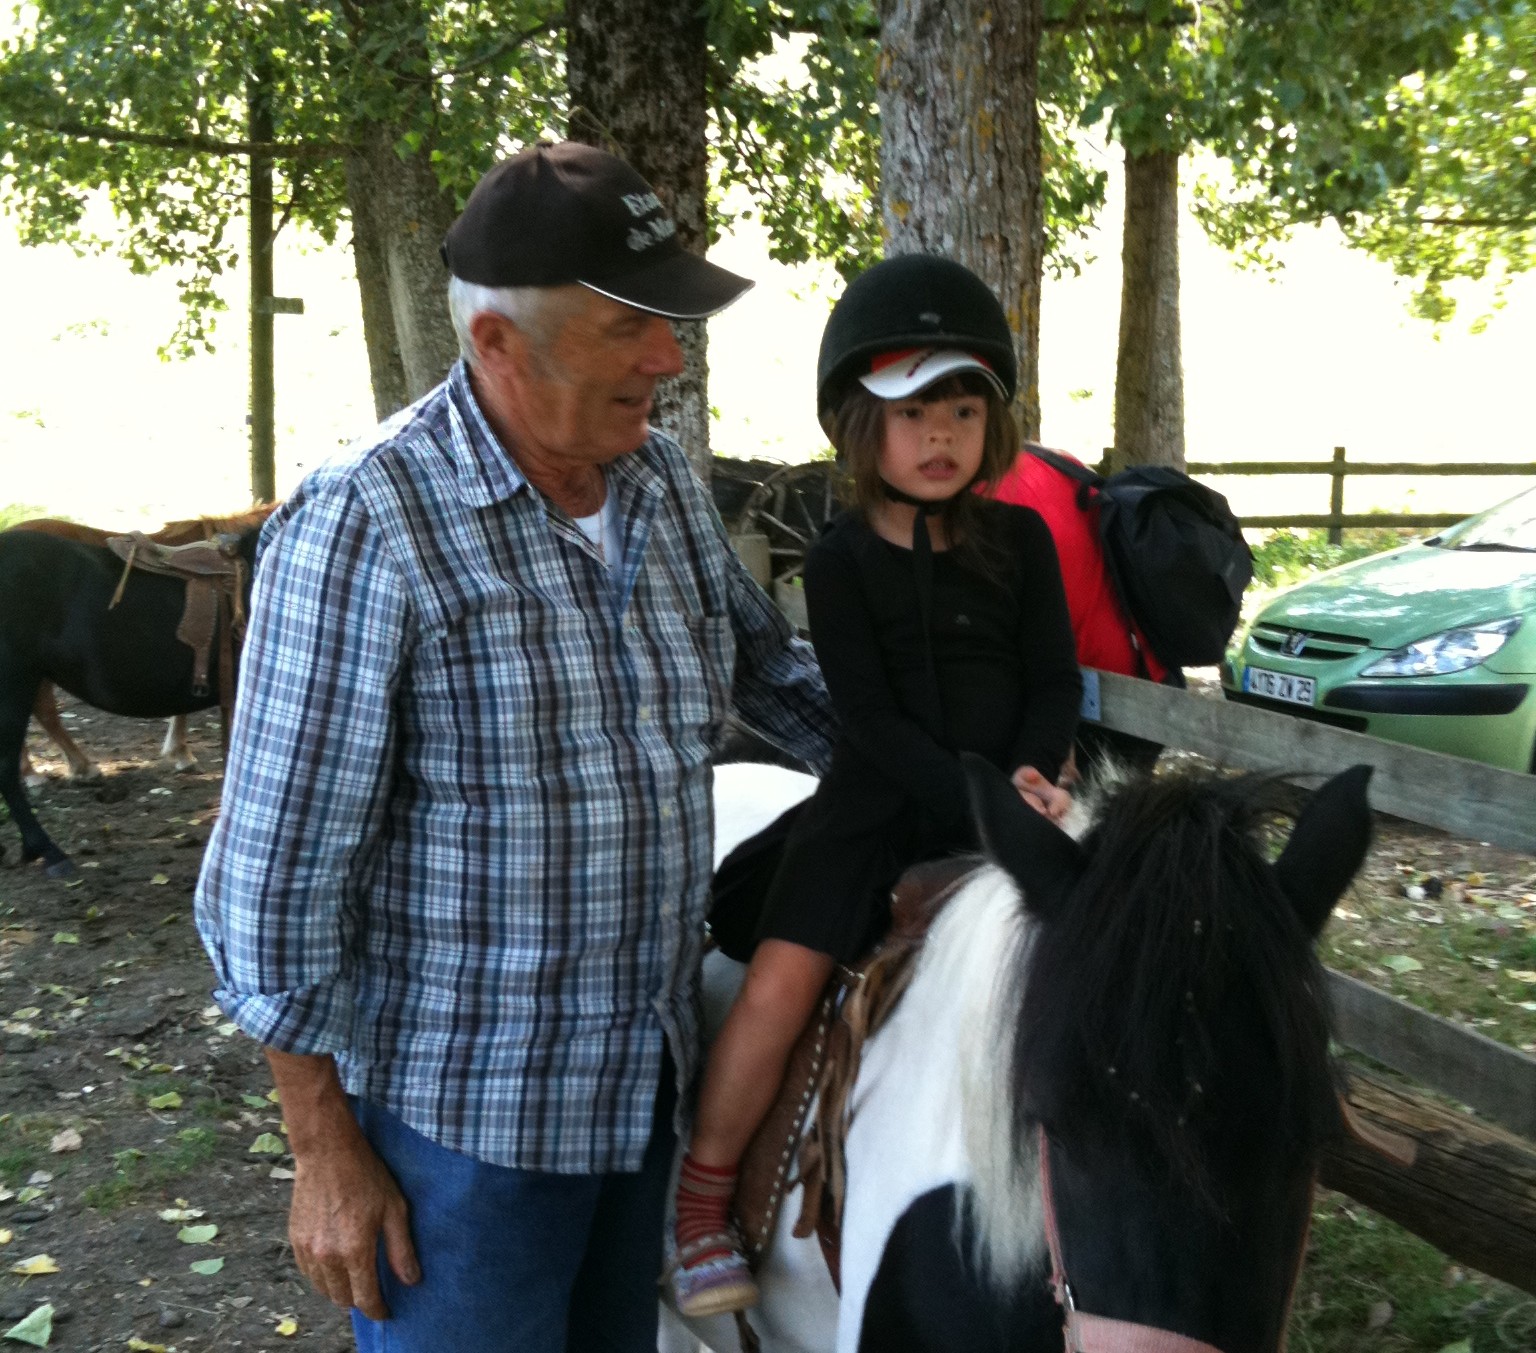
[[1338, 470]]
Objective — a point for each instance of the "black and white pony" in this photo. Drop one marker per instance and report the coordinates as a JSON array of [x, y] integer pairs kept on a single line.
[[1118, 1034]]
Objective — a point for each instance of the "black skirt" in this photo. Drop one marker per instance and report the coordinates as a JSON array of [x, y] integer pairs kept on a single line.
[[821, 874]]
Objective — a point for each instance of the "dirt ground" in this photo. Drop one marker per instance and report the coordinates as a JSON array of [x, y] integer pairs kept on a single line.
[[131, 1114], [108, 1031]]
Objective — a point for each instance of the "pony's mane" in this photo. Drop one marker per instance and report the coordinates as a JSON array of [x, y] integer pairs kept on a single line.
[[1176, 1002], [1172, 1010]]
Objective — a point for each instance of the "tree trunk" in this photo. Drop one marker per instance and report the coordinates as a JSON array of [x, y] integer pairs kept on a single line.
[[385, 367], [637, 74], [1471, 1191], [402, 209], [1149, 371], [960, 153]]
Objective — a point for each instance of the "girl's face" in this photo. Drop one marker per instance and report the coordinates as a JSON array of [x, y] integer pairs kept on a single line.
[[932, 450]]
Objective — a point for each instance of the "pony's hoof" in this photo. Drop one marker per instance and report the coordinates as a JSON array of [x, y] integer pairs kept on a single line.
[[63, 869], [185, 764], [88, 772]]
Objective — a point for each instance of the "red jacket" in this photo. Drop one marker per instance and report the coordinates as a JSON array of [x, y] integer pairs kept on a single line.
[[1106, 637]]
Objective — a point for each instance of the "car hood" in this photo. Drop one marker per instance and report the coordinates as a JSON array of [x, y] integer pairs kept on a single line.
[[1392, 599]]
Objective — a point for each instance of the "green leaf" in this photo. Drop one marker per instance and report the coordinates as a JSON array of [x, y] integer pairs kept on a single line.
[[197, 1235], [169, 1100], [36, 1329], [207, 1267], [1402, 963], [268, 1144]]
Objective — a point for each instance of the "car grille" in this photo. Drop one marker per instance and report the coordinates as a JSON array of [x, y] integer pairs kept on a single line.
[[1315, 644]]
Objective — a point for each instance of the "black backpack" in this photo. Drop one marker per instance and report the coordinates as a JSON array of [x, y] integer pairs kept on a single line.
[[1175, 554]]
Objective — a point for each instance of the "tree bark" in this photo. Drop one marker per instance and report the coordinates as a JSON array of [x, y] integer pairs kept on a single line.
[[1149, 370], [960, 153], [637, 74], [409, 212], [385, 367], [1471, 1191]]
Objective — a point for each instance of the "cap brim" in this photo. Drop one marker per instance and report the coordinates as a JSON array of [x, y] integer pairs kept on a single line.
[[901, 379], [679, 286]]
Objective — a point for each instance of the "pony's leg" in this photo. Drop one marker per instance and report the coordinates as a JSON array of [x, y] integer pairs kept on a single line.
[[174, 749], [15, 710], [45, 710]]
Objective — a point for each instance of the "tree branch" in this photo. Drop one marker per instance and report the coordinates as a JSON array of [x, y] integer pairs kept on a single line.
[[1479, 222], [553, 24], [204, 145]]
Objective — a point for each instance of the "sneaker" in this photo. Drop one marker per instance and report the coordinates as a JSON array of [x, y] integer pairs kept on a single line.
[[713, 1286]]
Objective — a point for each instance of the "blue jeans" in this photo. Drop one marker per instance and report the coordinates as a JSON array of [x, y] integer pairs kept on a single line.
[[519, 1261]]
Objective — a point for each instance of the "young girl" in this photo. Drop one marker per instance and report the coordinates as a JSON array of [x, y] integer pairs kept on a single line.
[[940, 624]]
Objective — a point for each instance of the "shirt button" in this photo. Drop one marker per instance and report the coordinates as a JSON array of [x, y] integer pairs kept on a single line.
[[643, 714], [667, 810]]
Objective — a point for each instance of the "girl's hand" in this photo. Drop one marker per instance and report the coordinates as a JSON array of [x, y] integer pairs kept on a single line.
[[1040, 794]]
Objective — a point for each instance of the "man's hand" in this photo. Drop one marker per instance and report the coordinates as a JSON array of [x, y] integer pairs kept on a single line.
[[344, 1196], [1040, 794]]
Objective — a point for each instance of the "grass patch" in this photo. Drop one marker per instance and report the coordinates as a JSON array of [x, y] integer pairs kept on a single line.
[[24, 1146], [1287, 556], [137, 1171], [1368, 1286]]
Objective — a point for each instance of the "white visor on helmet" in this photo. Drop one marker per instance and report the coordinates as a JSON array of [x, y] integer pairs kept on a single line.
[[896, 375]]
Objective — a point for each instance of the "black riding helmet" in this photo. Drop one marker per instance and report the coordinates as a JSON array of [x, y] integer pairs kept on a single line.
[[912, 301]]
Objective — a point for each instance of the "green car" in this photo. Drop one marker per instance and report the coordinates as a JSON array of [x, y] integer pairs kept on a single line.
[[1433, 644]]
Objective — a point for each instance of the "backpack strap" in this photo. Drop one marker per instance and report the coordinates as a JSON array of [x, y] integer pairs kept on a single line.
[[1090, 481]]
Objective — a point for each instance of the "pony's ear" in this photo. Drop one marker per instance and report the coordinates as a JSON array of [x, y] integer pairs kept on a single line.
[[1326, 847], [1042, 859]]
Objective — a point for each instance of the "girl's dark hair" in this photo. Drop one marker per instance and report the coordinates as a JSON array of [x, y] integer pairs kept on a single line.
[[856, 429]]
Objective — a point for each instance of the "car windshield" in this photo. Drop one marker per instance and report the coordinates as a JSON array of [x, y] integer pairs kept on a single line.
[[1509, 526]]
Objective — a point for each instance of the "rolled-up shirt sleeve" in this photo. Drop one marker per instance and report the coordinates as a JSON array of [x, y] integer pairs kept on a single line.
[[308, 774]]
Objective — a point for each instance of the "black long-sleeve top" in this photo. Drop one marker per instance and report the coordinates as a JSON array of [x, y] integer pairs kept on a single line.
[[1003, 656]]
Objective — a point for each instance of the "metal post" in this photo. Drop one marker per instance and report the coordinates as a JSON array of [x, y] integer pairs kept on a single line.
[[263, 395], [1336, 498]]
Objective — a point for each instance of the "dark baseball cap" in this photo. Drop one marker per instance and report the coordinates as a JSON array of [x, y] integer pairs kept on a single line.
[[567, 213]]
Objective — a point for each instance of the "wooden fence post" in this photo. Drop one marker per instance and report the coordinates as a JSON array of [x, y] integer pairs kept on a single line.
[[1336, 497]]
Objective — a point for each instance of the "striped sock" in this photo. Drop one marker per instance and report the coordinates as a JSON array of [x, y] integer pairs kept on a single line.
[[703, 1206]]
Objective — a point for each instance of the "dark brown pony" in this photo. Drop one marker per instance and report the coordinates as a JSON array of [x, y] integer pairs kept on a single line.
[[45, 707]]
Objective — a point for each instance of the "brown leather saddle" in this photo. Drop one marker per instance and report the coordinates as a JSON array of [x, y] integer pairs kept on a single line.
[[214, 575]]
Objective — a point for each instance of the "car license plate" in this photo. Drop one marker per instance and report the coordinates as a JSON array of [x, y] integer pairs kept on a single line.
[[1294, 690]]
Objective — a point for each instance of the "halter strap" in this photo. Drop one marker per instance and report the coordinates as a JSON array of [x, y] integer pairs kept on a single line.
[[1086, 1333]]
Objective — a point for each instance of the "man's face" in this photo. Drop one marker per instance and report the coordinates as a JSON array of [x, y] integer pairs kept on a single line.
[[587, 395]]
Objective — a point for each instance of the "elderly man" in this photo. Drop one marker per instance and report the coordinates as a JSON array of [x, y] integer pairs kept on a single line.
[[458, 885]]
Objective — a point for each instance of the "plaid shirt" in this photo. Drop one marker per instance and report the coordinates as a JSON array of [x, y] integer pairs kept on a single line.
[[466, 836]]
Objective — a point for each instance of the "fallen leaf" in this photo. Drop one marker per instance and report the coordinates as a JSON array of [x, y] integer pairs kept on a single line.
[[268, 1144], [1523, 976], [6, 1236], [28, 1194], [67, 1140], [169, 1100], [1460, 1346], [66, 936], [207, 1267], [27, 1012], [160, 879], [1402, 963], [253, 1101], [35, 1267], [180, 1213], [144, 1346], [1380, 1316], [287, 1327], [36, 1329], [197, 1235]]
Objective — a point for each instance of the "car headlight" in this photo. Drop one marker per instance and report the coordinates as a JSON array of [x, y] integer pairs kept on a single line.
[[1449, 651]]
